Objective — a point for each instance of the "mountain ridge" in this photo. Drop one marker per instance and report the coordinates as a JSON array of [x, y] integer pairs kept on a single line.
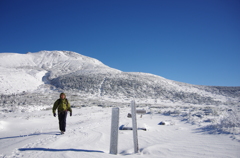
[[51, 71]]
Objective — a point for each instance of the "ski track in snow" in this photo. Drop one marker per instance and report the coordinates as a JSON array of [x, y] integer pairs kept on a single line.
[[88, 135]]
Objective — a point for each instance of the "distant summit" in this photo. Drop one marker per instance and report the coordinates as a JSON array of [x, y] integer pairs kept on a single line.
[[25, 72]]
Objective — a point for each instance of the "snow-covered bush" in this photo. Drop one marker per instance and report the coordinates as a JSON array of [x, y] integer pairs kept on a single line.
[[230, 121], [143, 86]]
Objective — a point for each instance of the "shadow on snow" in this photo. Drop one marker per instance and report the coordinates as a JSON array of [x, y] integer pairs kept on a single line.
[[33, 134], [215, 130], [212, 129], [58, 150]]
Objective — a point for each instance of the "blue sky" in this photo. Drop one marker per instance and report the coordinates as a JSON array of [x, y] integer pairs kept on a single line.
[[191, 41]]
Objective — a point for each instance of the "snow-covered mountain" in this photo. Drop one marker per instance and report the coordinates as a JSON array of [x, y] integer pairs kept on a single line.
[[30, 84], [26, 72], [51, 71]]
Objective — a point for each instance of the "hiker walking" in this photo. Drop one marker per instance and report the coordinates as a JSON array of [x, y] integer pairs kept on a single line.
[[63, 107]]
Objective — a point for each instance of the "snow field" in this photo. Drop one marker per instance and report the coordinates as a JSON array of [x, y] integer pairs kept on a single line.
[[36, 134]]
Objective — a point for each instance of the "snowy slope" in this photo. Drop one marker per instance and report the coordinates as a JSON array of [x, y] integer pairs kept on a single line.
[[25, 72], [49, 71]]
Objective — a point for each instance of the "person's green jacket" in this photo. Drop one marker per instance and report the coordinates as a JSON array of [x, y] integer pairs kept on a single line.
[[61, 105]]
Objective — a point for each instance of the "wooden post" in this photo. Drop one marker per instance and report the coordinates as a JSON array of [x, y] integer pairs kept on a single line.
[[134, 126], [114, 131]]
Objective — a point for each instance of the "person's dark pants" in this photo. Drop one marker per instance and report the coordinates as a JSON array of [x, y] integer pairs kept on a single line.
[[62, 116]]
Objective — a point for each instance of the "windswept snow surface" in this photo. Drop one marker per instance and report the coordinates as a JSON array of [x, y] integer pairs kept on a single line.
[[36, 134]]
